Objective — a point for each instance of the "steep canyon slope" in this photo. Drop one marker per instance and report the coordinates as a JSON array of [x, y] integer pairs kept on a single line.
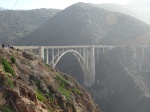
[[29, 85], [122, 80]]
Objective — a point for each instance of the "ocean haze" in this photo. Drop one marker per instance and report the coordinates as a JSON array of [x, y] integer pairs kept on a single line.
[[141, 8]]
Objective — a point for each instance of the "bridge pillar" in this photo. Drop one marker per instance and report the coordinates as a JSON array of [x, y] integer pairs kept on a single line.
[[103, 49], [84, 54], [30, 50], [53, 56], [92, 65], [89, 78], [47, 56], [41, 52]]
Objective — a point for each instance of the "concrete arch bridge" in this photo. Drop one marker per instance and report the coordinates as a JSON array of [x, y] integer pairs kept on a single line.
[[86, 56]]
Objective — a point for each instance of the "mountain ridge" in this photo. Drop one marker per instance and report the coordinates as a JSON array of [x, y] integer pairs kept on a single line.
[[85, 24], [1, 8], [15, 24]]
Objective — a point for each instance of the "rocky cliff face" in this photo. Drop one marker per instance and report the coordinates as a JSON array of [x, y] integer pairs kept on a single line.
[[123, 79], [28, 85]]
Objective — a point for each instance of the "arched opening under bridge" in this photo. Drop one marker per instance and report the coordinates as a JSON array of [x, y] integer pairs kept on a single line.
[[78, 61]]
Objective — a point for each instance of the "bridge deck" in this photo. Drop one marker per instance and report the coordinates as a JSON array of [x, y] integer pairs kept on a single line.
[[56, 47]]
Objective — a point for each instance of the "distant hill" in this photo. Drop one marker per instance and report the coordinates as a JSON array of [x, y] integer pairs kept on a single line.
[[135, 9], [83, 23], [139, 10], [1, 8], [15, 24], [116, 8]]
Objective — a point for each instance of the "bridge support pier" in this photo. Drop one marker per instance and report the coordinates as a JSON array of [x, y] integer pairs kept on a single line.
[[53, 56], [47, 56], [92, 64], [90, 76], [41, 52]]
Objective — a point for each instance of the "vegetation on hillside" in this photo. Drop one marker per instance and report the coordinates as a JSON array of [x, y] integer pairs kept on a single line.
[[28, 84], [85, 24], [15, 24]]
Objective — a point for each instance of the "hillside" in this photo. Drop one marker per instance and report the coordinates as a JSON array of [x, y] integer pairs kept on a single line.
[[136, 10], [116, 8], [1, 8], [82, 24], [29, 85], [123, 81], [15, 24]]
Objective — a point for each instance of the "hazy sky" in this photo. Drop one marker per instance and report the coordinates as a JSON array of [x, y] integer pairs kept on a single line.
[[57, 4]]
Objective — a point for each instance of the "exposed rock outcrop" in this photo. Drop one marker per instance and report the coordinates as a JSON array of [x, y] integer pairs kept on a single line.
[[25, 105]]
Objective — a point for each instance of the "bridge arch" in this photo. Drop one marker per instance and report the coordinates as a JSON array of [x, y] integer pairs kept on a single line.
[[78, 57], [75, 53]]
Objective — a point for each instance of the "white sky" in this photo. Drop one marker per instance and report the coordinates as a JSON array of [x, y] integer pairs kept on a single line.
[[57, 4]]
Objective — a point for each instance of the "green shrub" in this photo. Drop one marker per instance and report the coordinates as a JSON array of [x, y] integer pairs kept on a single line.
[[74, 108], [50, 109], [10, 81], [64, 92], [40, 96], [1, 51], [47, 65], [63, 82], [62, 105], [76, 91], [6, 109], [34, 81], [62, 88], [31, 77], [50, 97], [13, 60], [7, 67]]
